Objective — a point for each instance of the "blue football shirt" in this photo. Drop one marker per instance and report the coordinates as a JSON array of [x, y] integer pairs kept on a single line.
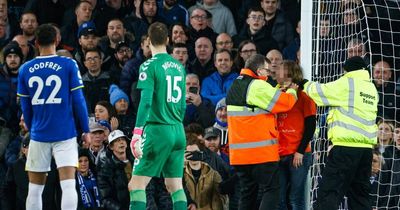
[[48, 82]]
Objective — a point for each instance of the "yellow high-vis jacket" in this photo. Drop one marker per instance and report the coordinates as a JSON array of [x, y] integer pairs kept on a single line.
[[353, 101]]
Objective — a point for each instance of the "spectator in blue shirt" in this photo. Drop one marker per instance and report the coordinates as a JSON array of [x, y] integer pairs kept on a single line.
[[217, 84]]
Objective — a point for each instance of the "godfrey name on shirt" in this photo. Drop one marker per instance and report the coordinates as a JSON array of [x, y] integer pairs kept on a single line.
[[45, 65]]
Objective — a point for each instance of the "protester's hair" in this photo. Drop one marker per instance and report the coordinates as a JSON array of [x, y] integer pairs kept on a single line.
[[294, 71], [255, 62], [46, 35], [158, 34], [222, 51]]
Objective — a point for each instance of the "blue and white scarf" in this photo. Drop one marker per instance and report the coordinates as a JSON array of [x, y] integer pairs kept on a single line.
[[87, 199]]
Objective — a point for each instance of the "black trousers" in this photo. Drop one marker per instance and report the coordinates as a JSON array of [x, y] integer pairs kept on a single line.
[[263, 178], [347, 172]]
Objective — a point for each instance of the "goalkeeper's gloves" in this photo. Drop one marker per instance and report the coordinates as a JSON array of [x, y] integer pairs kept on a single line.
[[136, 143]]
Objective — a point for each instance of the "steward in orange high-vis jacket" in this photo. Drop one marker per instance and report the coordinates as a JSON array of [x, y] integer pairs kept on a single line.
[[253, 138]]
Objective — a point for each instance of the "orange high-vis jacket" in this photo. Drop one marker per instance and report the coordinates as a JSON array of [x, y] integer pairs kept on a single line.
[[252, 104]]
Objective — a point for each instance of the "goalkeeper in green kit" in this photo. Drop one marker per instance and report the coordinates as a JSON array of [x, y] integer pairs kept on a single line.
[[158, 141]]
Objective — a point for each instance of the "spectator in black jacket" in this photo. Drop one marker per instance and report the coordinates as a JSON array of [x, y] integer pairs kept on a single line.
[[96, 81], [199, 27], [389, 100], [256, 31], [114, 172], [198, 109], [116, 33], [88, 40], [203, 64], [123, 53]]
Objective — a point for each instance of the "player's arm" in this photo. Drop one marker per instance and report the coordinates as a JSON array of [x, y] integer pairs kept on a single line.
[[26, 107], [25, 99], [146, 84], [78, 100], [145, 103], [79, 106]]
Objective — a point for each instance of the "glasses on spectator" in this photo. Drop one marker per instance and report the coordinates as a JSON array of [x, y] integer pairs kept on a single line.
[[93, 59], [199, 17], [254, 17], [122, 51], [224, 43], [248, 51]]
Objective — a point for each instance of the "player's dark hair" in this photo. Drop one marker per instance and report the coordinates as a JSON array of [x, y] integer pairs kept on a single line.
[[158, 34], [46, 35], [255, 62]]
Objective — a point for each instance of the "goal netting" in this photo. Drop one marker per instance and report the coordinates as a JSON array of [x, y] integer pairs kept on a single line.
[[341, 29]]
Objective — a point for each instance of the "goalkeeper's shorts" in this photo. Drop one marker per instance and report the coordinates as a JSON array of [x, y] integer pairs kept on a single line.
[[163, 151]]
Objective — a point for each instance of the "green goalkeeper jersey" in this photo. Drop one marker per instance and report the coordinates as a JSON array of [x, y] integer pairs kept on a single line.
[[166, 77]]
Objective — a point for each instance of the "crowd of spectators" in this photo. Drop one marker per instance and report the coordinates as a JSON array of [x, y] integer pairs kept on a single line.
[[212, 39]]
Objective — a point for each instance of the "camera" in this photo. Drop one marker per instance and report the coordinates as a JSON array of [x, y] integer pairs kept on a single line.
[[193, 90]]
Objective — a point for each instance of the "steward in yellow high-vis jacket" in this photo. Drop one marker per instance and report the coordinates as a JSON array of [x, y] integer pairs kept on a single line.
[[353, 101], [253, 138]]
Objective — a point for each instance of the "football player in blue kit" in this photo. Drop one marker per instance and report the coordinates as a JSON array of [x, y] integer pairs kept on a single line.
[[50, 90]]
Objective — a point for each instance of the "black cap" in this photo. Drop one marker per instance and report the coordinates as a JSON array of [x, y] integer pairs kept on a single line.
[[121, 44], [211, 132], [13, 48], [354, 63]]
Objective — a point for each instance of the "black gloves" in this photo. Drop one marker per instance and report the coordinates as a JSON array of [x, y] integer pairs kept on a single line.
[[301, 84]]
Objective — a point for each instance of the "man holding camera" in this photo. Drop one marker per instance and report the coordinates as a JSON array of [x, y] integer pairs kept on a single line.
[[198, 110]]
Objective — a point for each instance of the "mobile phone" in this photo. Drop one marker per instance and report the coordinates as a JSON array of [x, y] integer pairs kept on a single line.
[[193, 90]]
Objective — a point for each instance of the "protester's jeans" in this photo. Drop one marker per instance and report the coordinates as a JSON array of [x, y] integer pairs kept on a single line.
[[293, 182]]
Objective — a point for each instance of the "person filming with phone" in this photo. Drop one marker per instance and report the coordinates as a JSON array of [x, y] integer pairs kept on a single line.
[[198, 110]]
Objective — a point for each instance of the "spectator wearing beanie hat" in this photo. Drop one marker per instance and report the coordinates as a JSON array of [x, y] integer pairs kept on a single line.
[[221, 123], [13, 57], [126, 117], [8, 83]]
